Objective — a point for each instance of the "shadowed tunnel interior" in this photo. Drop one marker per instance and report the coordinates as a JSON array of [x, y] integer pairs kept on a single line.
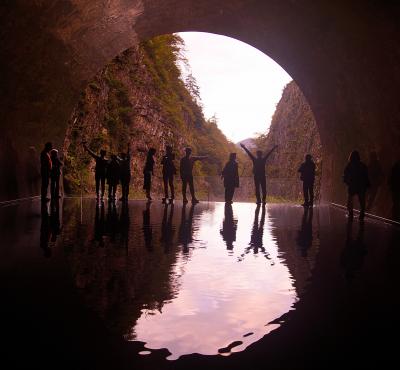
[[344, 55]]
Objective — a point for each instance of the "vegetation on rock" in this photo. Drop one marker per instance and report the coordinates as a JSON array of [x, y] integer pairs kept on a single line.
[[294, 130], [140, 98]]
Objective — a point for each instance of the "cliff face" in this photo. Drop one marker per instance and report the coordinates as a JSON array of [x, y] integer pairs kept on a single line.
[[140, 99], [293, 129]]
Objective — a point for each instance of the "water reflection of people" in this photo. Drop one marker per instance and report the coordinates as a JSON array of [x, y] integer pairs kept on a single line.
[[50, 227], [304, 236], [99, 225], [112, 220], [354, 252], [229, 227], [147, 228], [124, 221], [167, 229], [257, 232], [186, 228]]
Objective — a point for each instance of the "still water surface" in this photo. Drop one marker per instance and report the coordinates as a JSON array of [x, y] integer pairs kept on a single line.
[[209, 279]]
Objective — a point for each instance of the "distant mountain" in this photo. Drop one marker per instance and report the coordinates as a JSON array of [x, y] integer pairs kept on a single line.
[[250, 143]]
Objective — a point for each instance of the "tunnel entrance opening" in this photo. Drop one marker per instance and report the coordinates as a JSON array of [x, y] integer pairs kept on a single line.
[[147, 97], [49, 59]]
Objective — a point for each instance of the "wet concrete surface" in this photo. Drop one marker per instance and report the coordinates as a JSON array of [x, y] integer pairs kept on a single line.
[[76, 285]]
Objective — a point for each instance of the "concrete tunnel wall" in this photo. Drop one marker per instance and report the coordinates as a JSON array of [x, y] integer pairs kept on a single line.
[[344, 55]]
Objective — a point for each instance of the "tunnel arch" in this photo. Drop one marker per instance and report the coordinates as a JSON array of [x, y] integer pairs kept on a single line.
[[343, 55]]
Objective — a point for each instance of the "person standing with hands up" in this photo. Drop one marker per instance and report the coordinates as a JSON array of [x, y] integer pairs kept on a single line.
[[259, 162]]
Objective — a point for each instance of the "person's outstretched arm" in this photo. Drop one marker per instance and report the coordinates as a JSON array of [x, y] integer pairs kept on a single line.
[[247, 151], [199, 157], [93, 154], [270, 152]]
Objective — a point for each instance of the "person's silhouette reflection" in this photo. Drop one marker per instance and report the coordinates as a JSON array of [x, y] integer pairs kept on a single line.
[[49, 227], [354, 252], [147, 228], [229, 227], [186, 228], [124, 221], [257, 233], [167, 229], [112, 220], [55, 226], [45, 230], [99, 225], [304, 235]]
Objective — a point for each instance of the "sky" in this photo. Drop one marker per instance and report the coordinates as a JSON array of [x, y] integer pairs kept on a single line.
[[238, 83]]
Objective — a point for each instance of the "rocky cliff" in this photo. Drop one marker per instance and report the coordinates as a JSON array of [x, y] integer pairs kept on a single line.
[[140, 99], [293, 129]]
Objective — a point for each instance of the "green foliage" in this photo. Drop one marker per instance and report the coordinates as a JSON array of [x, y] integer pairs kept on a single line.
[[114, 115]]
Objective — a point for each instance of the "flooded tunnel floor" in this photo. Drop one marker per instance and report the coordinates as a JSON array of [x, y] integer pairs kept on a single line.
[[154, 286]]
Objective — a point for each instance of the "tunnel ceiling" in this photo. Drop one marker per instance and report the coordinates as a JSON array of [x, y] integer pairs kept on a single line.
[[344, 55]]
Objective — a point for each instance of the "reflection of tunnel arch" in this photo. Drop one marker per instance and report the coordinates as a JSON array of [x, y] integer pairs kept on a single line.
[[334, 51]]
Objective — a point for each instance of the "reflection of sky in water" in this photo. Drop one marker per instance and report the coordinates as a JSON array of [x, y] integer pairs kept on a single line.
[[223, 294]]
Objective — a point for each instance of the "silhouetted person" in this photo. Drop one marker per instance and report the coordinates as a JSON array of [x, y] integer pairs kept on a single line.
[[147, 228], [354, 252], [394, 184], [356, 178], [113, 176], [186, 228], [125, 173], [259, 172], [148, 172], [304, 235], [99, 225], [307, 175], [45, 168], [55, 174], [376, 176], [186, 172], [230, 174], [229, 227], [99, 171], [167, 229], [168, 172]]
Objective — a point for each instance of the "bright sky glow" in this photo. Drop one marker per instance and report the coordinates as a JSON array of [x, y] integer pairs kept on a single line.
[[216, 306], [238, 83]]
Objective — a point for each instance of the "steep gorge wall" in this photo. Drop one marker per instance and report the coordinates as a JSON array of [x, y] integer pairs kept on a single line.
[[294, 130], [140, 99]]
